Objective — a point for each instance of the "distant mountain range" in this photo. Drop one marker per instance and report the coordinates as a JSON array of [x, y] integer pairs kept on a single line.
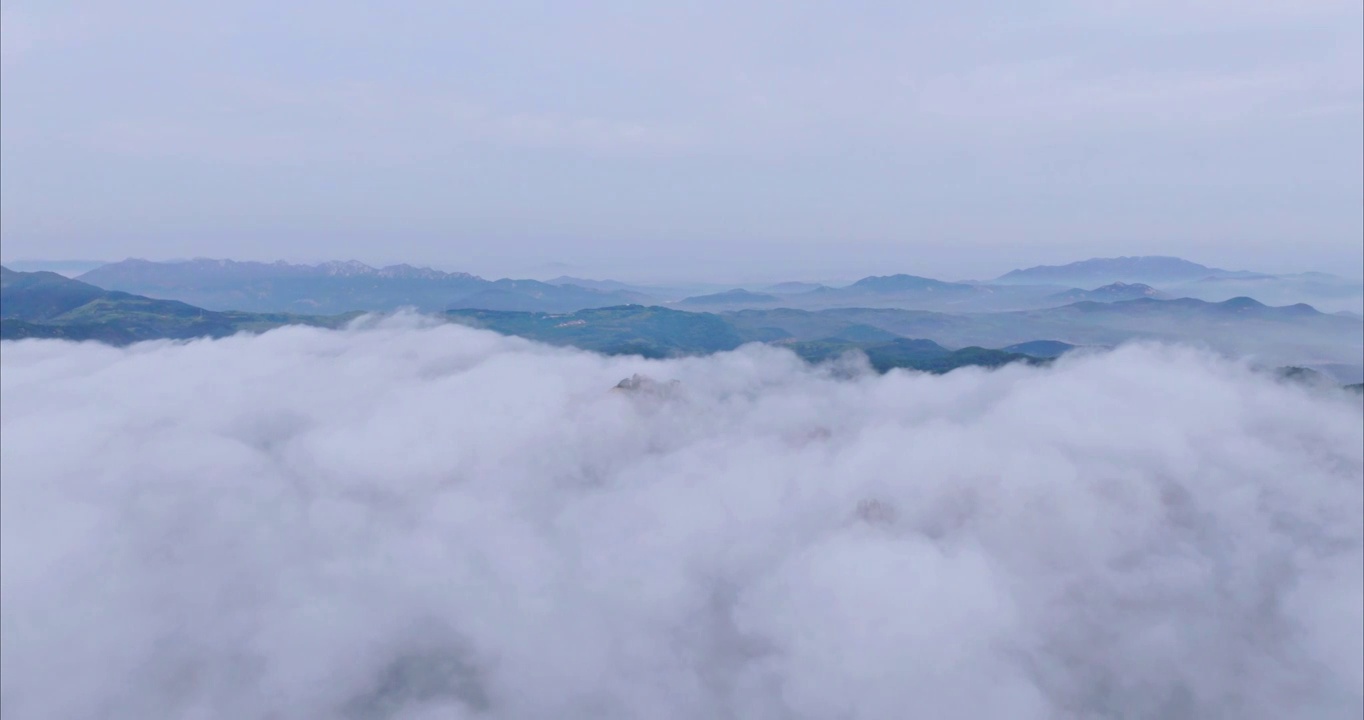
[[1174, 277], [48, 305], [664, 292], [661, 332], [787, 288], [911, 292], [1325, 292], [888, 284], [1280, 335], [1114, 292], [337, 287], [730, 297], [1151, 269], [901, 291], [1241, 327]]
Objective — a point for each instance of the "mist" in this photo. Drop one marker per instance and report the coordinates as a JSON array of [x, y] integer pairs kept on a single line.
[[411, 520]]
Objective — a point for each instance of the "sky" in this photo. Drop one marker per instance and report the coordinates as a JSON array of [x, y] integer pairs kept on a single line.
[[409, 521], [703, 140]]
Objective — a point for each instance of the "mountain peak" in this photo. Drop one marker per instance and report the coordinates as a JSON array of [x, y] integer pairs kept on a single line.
[[1242, 302], [729, 297], [902, 283], [1113, 292], [347, 268]]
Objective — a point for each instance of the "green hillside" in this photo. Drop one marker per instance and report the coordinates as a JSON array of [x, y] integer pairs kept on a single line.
[[653, 332], [657, 332], [48, 305], [924, 355]]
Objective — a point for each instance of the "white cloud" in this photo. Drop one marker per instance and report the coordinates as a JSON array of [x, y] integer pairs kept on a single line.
[[412, 522]]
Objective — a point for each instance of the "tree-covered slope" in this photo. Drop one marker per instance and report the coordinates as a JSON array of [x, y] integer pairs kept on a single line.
[[48, 305], [633, 329]]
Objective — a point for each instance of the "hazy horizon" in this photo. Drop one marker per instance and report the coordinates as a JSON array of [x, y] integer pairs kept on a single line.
[[719, 276], [776, 140]]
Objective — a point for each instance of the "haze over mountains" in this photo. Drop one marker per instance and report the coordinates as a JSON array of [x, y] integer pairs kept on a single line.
[[48, 305], [338, 287], [1180, 278], [44, 305], [1153, 270], [1110, 293], [132, 300]]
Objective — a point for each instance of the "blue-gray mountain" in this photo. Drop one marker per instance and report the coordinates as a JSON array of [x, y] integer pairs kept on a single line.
[[1151, 269], [49, 305], [338, 287], [347, 286], [1174, 277], [730, 297], [1109, 293], [1287, 335]]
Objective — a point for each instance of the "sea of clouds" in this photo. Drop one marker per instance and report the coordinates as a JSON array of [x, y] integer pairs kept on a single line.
[[408, 521]]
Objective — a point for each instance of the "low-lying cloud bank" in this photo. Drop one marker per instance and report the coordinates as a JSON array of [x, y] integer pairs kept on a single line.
[[435, 522]]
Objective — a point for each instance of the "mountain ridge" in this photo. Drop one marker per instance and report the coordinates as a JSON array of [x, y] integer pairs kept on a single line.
[[48, 305], [229, 268], [45, 304], [736, 296], [339, 286], [1149, 269], [1113, 292]]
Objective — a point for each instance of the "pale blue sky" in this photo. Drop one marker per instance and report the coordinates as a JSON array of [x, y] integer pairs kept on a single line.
[[720, 140]]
